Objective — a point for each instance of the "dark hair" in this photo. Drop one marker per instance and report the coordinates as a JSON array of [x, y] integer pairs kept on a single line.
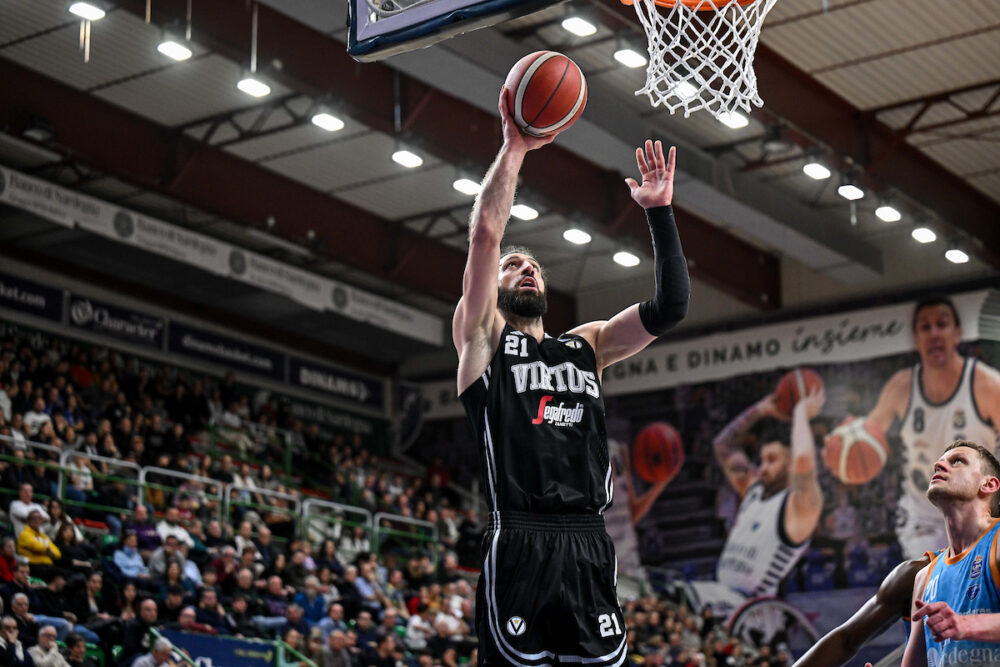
[[74, 638], [988, 464], [934, 300]]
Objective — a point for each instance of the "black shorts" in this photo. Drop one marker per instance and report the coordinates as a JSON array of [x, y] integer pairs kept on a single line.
[[546, 594]]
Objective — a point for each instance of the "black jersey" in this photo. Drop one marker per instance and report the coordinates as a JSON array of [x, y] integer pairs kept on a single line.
[[538, 414]]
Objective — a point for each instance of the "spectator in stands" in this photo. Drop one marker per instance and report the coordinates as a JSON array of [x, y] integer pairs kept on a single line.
[[171, 525], [27, 626], [175, 442], [115, 495], [365, 627], [23, 506], [243, 625], [389, 622], [265, 547], [158, 656], [13, 652], [75, 553], [294, 619], [128, 559], [384, 654], [8, 560], [89, 607], [46, 653], [186, 622], [314, 648], [333, 621], [79, 472], [19, 472], [337, 654], [34, 418], [147, 538], [19, 584], [211, 612], [36, 546], [135, 633], [57, 519], [173, 603], [369, 589], [163, 556], [128, 601], [420, 628], [311, 601], [275, 601], [76, 651], [292, 638]]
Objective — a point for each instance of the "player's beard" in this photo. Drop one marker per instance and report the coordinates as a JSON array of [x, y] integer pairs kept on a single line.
[[775, 484], [526, 305], [941, 494]]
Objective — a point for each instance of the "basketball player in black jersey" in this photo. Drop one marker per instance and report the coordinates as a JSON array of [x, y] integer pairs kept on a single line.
[[546, 595]]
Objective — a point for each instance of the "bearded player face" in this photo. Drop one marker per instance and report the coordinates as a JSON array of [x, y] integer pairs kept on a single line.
[[521, 287]]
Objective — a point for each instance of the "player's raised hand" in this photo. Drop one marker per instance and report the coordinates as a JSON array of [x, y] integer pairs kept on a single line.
[[512, 134], [657, 186], [940, 620], [813, 401]]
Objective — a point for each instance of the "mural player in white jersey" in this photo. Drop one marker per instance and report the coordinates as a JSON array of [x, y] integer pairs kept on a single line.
[[781, 503], [943, 398]]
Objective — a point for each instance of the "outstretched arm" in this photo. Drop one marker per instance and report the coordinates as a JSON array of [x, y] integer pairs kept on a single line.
[[986, 388], [473, 326], [638, 325], [893, 400], [916, 648], [888, 605], [805, 501], [728, 445]]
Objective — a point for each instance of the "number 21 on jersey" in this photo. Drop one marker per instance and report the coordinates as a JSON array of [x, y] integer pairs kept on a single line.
[[516, 345], [608, 625]]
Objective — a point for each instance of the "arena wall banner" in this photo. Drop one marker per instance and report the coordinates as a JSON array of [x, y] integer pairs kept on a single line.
[[209, 651], [29, 297], [122, 323], [336, 382], [69, 208], [225, 351]]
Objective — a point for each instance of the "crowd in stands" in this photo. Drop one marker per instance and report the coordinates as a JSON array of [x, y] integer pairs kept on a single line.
[[102, 560]]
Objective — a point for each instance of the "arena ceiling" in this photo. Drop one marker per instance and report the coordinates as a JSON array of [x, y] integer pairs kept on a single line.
[[904, 92]]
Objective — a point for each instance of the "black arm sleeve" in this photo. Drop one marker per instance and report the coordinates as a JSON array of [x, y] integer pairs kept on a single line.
[[673, 287]]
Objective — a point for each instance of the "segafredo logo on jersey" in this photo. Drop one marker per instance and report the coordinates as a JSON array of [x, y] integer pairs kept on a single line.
[[564, 377], [558, 415]]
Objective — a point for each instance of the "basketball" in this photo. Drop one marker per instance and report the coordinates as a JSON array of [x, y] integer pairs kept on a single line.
[[855, 451], [792, 386], [658, 452], [546, 93]]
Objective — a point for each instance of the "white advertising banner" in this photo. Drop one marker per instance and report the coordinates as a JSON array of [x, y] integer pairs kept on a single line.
[[69, 208], [843, 337]]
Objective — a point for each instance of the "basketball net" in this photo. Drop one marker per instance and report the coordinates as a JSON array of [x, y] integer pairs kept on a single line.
[[701, 55]]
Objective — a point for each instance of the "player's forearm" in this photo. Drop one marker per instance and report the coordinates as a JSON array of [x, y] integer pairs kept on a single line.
[[492, 208], [728, 440], [981, 627], [673, 286], [804, 482]]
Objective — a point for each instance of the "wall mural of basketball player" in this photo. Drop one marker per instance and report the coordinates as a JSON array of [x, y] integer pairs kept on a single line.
[[622, 517], [944, 397], [780, 504]]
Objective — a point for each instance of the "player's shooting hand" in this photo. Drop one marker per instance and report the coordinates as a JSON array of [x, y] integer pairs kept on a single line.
[[940, 620], [813, 401], [512, 134], [657, 187]]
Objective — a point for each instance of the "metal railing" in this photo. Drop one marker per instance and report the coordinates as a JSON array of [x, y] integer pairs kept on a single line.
[[294, 508], [425, 532], [210, 488], [323, 519]]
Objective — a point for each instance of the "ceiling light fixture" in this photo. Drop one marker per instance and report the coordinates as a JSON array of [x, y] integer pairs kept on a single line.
[[579, 26], [888, 213], [523, 212], [87, 11], [630, 58], [253, 86], [923, 235], [467, 186], [328, 122], [956, 256], [171, 48], [626, 259], [577, 236], [816, 171], [733, 119], [408, 159]]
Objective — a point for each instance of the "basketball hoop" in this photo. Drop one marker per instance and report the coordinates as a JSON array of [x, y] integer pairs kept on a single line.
[[701, 53]]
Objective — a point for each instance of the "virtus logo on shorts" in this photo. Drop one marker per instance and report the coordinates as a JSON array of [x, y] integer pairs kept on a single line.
[[516, 626]]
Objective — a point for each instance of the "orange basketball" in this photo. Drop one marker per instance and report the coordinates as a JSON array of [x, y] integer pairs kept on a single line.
[[855, 451], [792, 386], [546, 93], [657, 453]]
